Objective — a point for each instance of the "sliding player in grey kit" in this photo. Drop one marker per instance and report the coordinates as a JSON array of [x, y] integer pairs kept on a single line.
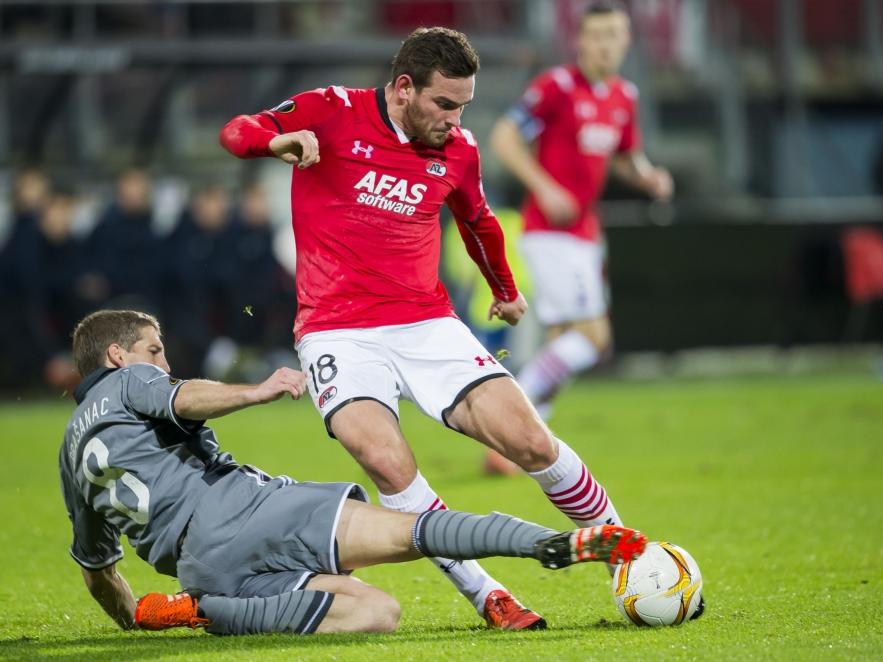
[[253, 553]]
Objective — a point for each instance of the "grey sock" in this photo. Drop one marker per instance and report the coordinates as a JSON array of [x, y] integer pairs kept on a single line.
[[460, 535], [298, 612]]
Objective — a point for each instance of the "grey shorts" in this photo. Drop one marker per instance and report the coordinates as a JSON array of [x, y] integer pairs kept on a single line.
[[251, 535]]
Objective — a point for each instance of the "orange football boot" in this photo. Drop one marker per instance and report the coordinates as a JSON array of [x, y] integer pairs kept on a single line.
[[607, 543], [159, 611]]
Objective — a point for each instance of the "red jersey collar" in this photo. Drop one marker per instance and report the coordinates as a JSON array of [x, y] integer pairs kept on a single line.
[[380, 97]]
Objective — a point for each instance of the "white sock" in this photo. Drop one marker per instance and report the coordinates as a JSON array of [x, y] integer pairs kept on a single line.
[[574, 491], [469, 577], [569, 354]]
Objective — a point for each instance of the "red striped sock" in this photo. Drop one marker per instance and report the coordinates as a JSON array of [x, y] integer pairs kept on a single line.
[[582, 502], [571, 488]]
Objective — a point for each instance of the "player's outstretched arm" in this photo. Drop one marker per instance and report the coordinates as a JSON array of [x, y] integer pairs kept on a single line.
[[201, 399], [557, 203], [112, 592], [252, 136]]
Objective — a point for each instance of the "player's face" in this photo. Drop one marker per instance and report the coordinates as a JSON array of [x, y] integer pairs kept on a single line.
[[602, 43], [148, 349], [436, 109]]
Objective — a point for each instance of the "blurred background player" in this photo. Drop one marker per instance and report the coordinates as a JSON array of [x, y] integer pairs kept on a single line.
[[581, 119]]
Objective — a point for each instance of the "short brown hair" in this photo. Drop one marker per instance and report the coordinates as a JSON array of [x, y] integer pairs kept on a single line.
[[435, 49], [98, 331], [601, 7]]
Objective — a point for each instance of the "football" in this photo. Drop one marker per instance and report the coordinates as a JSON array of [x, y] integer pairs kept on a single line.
[[662, 587]]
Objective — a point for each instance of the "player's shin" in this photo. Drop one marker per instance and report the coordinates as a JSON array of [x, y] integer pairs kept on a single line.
[[571, 488], [468, 576], [462, 535], [297, 612], [467, 536]]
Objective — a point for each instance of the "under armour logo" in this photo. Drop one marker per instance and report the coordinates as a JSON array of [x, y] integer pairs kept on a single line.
[[357, 147], [487, 359], [447, 567]]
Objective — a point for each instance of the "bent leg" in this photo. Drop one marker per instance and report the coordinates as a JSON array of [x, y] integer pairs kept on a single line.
[[330, 603], [498, 414], [371, 434], [357, 606], [570, 348]]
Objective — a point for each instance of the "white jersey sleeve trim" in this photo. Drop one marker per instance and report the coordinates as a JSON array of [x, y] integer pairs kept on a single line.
[[470, 139], [343, 94], [630, 89], [172, 413], [563, 78]]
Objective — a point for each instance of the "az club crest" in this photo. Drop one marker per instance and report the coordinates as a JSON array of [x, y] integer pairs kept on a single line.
[[436, 168], [327, 396]]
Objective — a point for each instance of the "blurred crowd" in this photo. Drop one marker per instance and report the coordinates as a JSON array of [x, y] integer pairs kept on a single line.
[[226, 302]]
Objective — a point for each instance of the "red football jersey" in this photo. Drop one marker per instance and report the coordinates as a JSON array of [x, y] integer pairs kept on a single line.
[[577, 126], [366, 217]]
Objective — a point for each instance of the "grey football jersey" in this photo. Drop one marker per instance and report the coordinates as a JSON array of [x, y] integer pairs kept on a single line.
[[129, 465]]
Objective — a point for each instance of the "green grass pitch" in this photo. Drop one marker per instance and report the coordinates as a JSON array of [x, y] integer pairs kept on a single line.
[[775, 485]]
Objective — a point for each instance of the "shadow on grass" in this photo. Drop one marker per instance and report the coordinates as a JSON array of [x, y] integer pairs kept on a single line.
[[150, 645]]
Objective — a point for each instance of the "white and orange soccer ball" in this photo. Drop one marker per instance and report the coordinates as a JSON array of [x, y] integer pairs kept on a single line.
[[662, 587]]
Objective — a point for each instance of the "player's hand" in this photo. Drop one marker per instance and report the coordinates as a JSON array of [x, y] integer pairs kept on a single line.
[[299, 148], [558, 205], [659, 184], [508, 311], [284, 380]]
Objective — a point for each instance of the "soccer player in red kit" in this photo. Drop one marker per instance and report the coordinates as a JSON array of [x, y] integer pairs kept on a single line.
[[374, 323], [582, 119]]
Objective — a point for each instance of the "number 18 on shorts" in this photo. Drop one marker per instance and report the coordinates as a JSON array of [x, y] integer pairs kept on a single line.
[[434, 364]]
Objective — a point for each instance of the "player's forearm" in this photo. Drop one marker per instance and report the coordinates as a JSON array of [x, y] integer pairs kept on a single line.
[[246, 137], [486, 246], [200, 399], [515, 154], [633, 168], [112, 592]]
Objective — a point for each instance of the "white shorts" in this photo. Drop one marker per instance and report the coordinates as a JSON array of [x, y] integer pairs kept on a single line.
[[567, 276], [434, 364]]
